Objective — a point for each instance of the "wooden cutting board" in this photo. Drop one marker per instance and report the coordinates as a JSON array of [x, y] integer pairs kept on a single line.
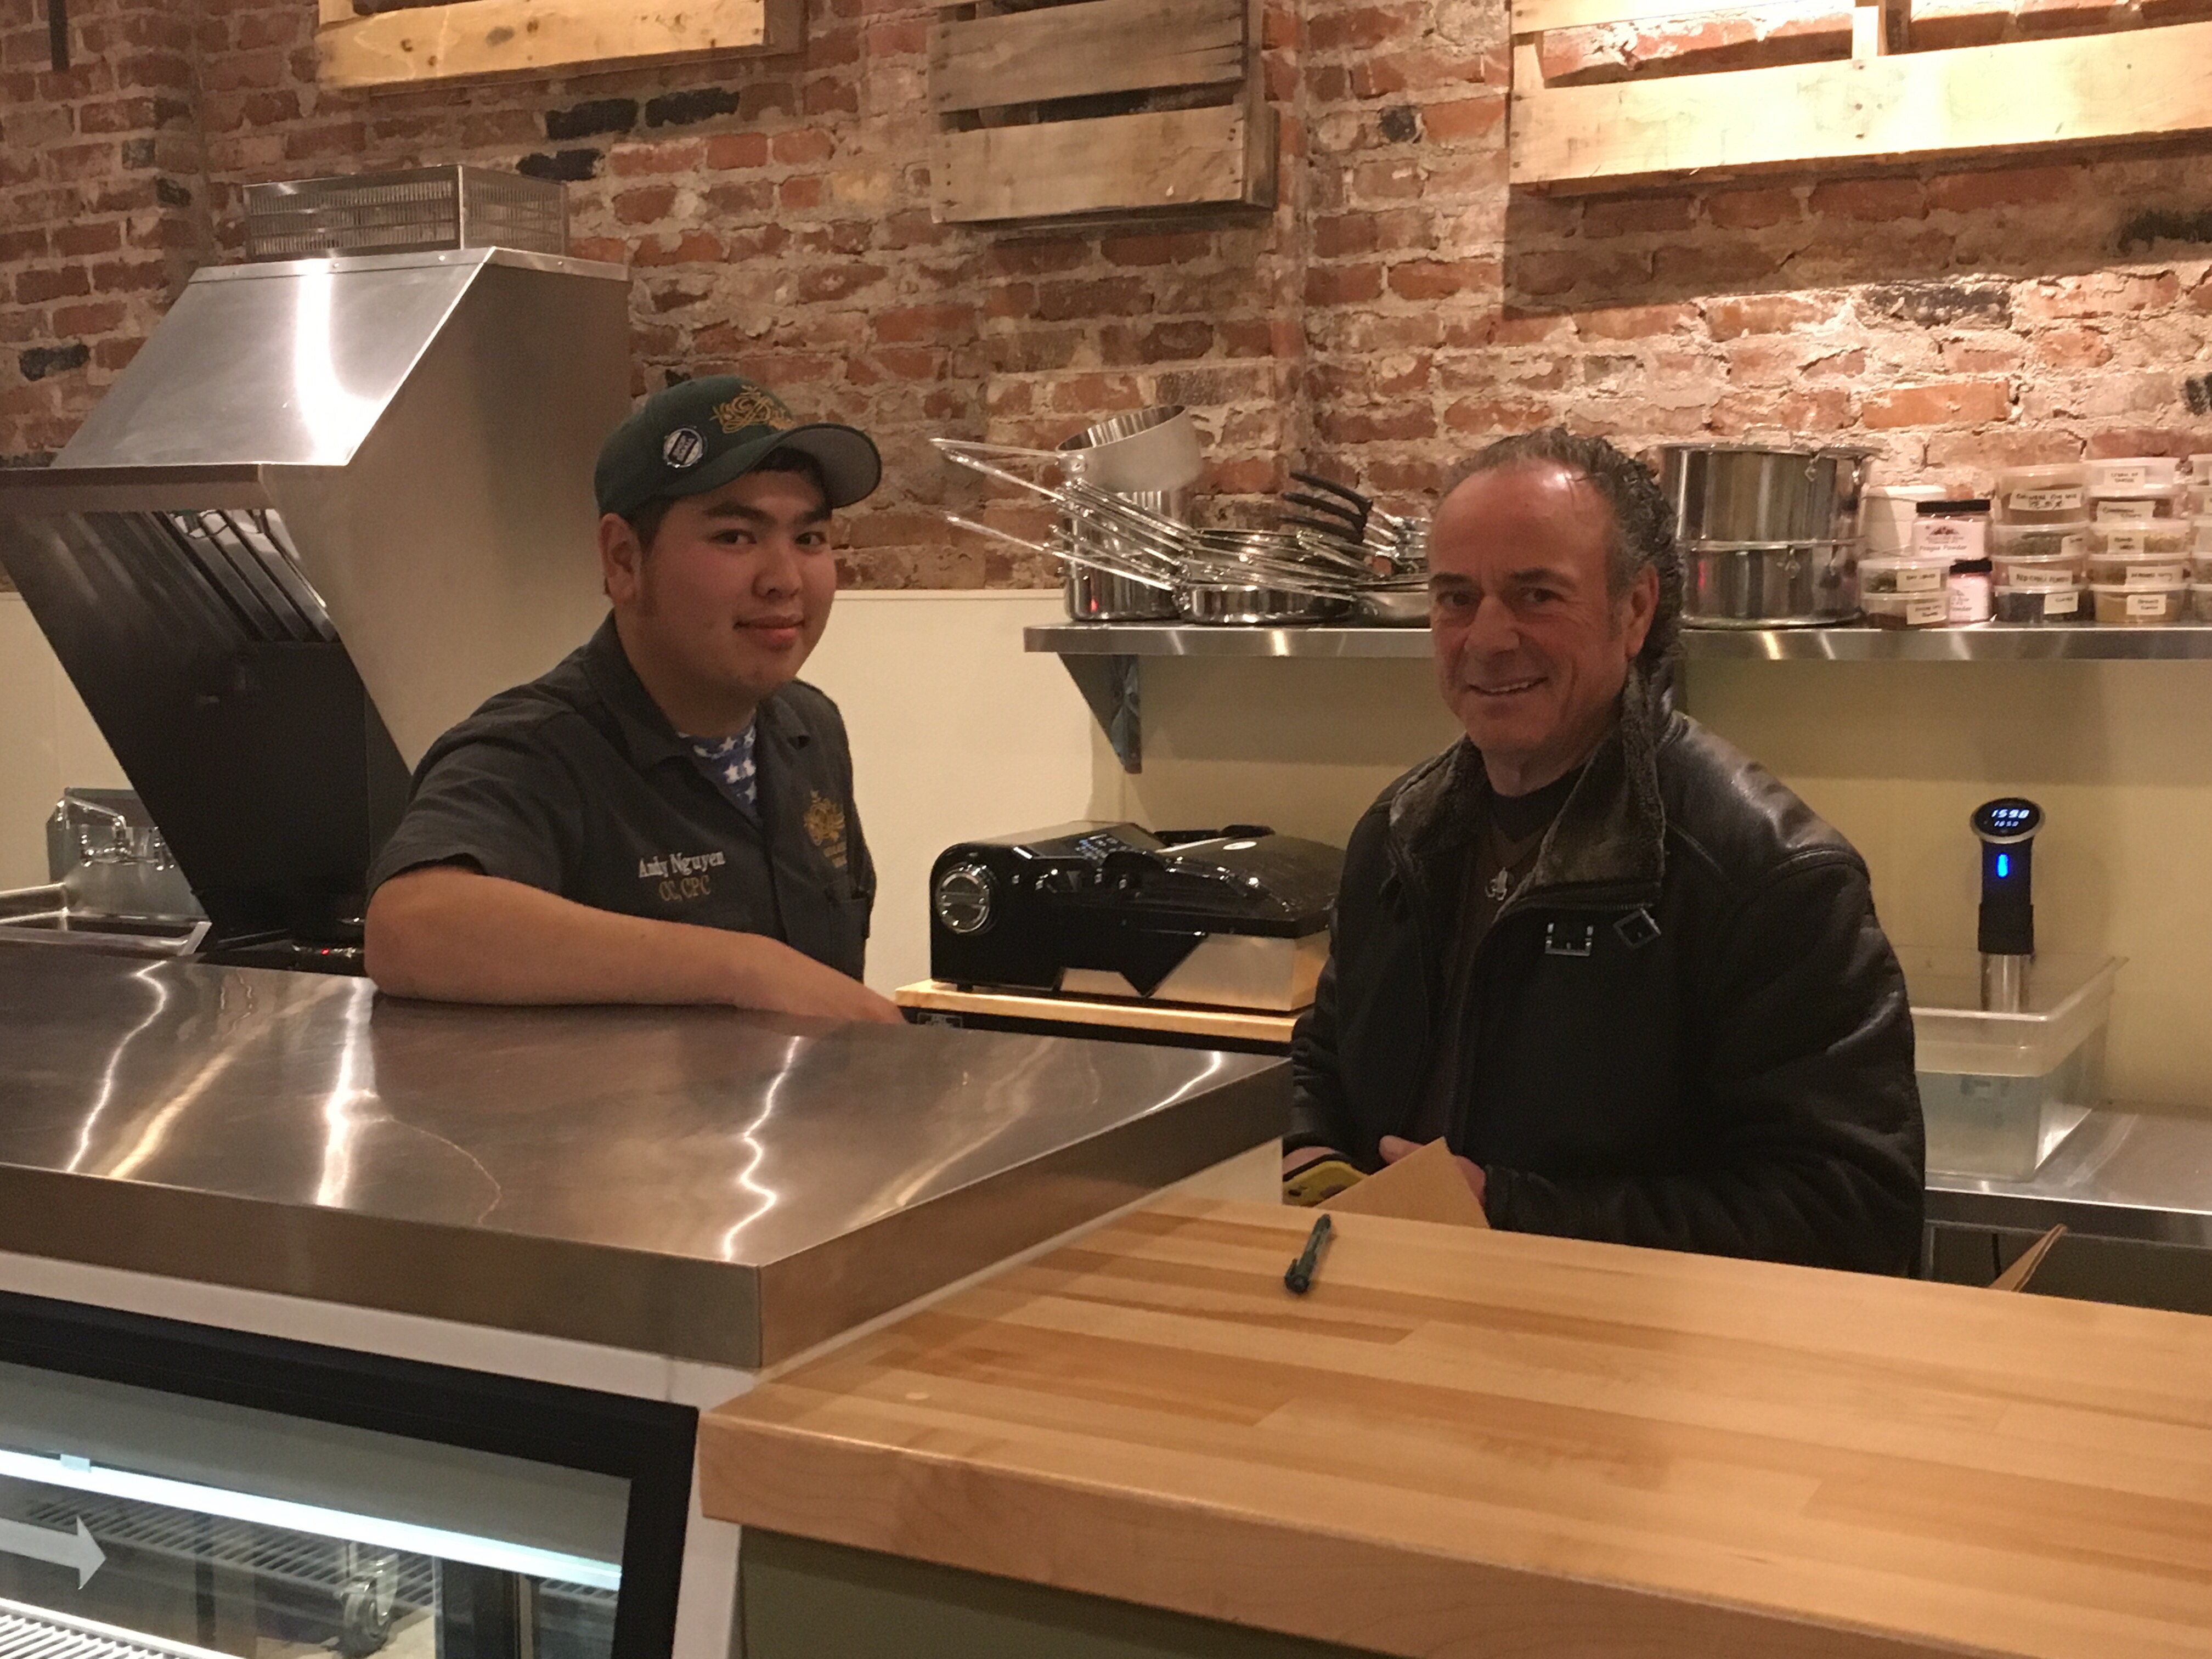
[[1469, 1443]]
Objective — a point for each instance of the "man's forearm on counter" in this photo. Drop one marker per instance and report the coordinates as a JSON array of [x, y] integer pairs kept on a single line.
[[453, 935]]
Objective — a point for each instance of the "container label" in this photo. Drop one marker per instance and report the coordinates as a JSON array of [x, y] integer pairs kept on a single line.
[[2125, 512], [1924, 580], [2046, 501], [1960, 538], [2147, 605], [2030, 577], [1969, 599], [2063, 602], [2156, 576], [2128, 543], [2124, 478], [1929, 612]]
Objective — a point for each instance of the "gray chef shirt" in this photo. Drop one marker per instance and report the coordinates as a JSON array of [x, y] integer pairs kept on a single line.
[[577, 784]]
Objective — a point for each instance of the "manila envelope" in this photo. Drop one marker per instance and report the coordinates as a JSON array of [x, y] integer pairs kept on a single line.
[[1422, 1185]]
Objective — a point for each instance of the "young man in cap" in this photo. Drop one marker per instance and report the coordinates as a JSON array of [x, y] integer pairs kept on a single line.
[[667, 816]]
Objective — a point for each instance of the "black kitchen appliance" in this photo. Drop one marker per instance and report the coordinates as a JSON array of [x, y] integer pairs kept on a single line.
[[2005, 929], [1237, 917]]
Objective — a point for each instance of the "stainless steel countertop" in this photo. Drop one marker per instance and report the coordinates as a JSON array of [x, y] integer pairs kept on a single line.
[[716, 1185], [2129, 1175]]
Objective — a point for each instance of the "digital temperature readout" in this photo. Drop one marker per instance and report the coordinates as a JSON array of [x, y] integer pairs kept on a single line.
[[2009, 820]]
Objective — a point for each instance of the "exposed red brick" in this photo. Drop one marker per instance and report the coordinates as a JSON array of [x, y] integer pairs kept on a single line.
[[1454, 120], [1633, 322], [1753, 210], [1764, 313], [1966, 192], [1629, 215], [808, 144], [1436, 279], [1870, 198], [737, 149], [643, 207], [1948, 402]]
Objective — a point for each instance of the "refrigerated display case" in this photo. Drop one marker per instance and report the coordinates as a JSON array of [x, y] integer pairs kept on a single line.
[[173, 1490]]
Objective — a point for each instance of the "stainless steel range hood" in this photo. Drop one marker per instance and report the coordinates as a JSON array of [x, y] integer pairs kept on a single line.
[[330, 507]]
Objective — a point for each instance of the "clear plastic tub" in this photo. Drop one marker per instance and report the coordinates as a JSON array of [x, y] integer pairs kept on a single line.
[[2035, 606], [2201, 534], [2141, 606], [2000, 1092], [2138, 504], [2132, 474], [2043, 495], [2167, 538], [1886, 512], [1906, 610], [1902, 573], [2062, 537], [2041, 570], [2200, 601]]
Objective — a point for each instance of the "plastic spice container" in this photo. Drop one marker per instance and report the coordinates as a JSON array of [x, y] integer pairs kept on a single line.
[[2041, 571], [1907, 610], [1886, 515], [2037, 604], [2170, 539], [1967, 591], [2043, 495], [1902, 573], [1952, 530], [2133, 475], [2069, 537], [2139, 606], [2200, 601], [2140, 504]]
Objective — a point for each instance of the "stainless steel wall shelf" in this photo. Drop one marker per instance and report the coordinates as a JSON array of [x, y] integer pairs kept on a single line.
[[1986, 642], [1101, 657]]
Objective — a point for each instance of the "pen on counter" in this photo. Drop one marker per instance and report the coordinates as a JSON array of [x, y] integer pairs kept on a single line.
[[1298, 1276]]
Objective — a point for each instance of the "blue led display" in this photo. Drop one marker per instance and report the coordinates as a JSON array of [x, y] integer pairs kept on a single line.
[[2004, 865]]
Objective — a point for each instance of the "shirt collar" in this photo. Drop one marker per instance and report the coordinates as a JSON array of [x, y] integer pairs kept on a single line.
[[646, 732]]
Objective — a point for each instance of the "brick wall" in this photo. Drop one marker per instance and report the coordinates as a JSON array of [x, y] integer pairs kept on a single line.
[[1398, 308]]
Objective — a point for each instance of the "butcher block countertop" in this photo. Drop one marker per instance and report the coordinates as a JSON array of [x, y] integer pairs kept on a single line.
[[1478, 1443]]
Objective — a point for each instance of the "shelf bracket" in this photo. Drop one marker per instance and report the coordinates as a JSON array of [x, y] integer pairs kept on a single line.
[[1112, 685]]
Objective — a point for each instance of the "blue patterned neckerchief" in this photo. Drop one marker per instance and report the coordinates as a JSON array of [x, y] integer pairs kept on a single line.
[[728, 765]]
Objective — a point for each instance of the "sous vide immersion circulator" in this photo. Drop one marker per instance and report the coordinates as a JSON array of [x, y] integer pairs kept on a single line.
[[2006, 933]]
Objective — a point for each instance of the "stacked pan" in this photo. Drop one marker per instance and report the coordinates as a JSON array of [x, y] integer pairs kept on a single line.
[[1769, 536]]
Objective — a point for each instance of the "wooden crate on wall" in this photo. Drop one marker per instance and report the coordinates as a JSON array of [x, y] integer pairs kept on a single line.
[[1885, 102], [1121, 108], [417, 44]]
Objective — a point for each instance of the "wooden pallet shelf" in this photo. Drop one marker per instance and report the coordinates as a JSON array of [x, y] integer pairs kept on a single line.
[[1884, 103], [493, 39], [1086, 108]]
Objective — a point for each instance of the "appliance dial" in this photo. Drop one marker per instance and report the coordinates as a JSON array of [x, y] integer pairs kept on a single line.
[[965, 898]]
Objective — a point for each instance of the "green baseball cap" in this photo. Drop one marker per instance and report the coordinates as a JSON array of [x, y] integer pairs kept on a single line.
[[699, 435]]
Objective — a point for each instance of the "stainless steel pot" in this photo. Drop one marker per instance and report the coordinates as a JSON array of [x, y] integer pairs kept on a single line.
[[1146, 449], [1250, 606], [1100, 596], [1740, 494], [1800, 585]]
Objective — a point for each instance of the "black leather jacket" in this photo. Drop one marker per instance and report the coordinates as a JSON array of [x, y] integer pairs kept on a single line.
[[1688, 1028]]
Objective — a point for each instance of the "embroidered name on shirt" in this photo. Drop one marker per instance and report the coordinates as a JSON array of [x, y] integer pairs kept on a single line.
[[679, 864]]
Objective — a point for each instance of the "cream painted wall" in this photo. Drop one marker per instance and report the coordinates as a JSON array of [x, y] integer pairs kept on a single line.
[[957, 733], [2119, 755], [47, 742]]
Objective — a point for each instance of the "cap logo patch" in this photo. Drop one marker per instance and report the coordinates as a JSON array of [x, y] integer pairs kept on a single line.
[[682, 447], [751, 407]]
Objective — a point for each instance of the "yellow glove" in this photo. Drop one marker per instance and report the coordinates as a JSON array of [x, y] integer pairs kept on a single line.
[[1323, 1178]]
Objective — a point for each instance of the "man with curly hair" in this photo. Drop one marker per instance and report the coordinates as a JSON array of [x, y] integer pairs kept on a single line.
[[1633, 981]]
